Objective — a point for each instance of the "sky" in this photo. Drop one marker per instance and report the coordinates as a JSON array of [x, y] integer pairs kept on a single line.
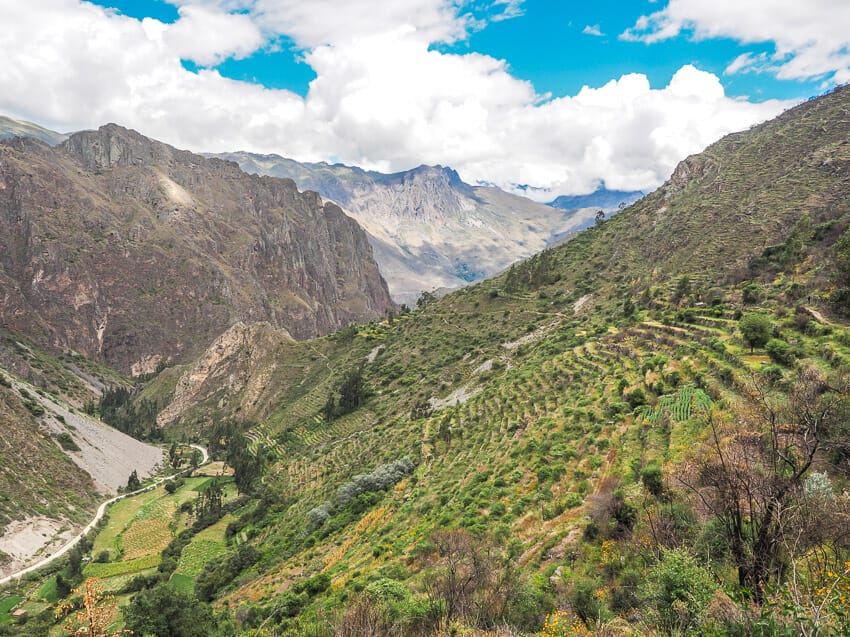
[[542, 97]]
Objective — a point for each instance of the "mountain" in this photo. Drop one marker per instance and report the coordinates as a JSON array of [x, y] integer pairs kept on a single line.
[[427, 227], [17, 128], [590, 439], [640, 431], [135, 253], [602, 198]]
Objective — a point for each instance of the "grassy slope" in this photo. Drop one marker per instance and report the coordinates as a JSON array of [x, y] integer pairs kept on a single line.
[[547, 422], [37, 477]]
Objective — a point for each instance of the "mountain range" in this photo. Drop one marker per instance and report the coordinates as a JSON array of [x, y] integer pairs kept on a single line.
[[642, 430], [431, 230]]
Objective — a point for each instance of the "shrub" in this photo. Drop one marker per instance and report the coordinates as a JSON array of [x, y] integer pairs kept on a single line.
[[583, 600], [752, 293], [780, 351], [652, 479], [66, 442], [635, 398], [679, 589]]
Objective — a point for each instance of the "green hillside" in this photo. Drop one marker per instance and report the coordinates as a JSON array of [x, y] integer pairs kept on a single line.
[[644, 431]]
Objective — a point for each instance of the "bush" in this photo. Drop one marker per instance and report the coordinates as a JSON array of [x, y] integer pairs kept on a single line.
[[780, 351], [387, 591], [583, 600], [752, 293], [635, 398], [679, 589], [66, 442], [652, 479]]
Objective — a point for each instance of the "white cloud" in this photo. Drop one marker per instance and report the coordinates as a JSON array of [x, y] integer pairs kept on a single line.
[[592, 29], [209, 36], [382, 98], [811, 38], [510, 9]]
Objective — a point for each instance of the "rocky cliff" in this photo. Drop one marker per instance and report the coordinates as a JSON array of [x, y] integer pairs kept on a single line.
[[133, 252]]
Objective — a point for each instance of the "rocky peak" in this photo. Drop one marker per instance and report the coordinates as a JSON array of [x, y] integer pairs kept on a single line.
[[113, 145]]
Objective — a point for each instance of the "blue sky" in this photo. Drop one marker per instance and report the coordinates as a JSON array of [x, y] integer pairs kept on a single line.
[[561, 96], [546, 44]]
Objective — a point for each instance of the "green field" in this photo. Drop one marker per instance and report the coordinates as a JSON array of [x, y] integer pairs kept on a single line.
[[6, 606], [139, 528], [207, 545]]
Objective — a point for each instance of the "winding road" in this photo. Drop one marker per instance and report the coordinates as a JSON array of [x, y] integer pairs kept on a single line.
[[97, 517]]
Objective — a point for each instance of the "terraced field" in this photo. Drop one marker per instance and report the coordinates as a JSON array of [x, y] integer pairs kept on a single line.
[[139, 528]]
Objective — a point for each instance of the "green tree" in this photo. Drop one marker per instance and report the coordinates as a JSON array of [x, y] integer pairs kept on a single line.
[[164, 611], [683, 288], [133, 482], [756, 329]]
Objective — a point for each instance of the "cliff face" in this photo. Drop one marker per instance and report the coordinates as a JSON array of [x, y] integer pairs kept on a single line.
[[131, 251]]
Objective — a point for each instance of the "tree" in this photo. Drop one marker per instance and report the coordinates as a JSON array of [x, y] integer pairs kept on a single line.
[[164, 611], [133, 482], [841, 296], [679, 588], [426, 298], [347, 397], [75, 561], [756, 329], [209, 500], [91, 614], [753, 477], [683, 287], [599, 217]]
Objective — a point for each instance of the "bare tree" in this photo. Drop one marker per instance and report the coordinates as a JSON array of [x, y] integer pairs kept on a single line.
[[753, 479]]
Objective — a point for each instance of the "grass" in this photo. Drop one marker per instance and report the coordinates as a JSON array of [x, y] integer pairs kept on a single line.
[[120, 516], [183, 583], [6, 606], [47, 591]]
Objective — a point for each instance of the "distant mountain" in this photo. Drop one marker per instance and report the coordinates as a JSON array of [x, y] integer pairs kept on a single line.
[[132, 252], [428, 228], [17, 128], [602, 198]]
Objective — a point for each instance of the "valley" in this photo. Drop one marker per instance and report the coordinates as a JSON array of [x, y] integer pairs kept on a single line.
[[429, 230], [642, 430]]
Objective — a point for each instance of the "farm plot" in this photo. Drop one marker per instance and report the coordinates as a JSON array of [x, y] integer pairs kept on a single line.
[[207, 545], [138, 529]]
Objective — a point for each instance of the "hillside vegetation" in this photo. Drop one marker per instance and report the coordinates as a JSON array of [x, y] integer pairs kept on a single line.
[[643, 431]]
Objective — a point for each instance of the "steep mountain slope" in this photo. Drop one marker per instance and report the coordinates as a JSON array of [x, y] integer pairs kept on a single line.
[[427, 227], [132, 252], [17, 128], [57, 460], [562, 419]]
